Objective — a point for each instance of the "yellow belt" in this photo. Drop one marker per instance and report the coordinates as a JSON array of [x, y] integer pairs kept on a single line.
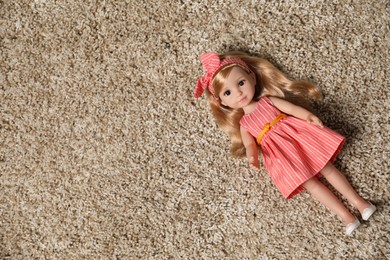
[[268, 126]]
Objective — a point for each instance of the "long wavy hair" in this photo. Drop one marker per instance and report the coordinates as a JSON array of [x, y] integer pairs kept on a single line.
[[269, 82]]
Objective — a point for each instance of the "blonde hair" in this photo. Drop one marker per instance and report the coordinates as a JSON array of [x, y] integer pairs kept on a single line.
[[269, 82]]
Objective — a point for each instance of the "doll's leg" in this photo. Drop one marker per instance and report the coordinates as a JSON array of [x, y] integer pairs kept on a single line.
[[321, 193], [341, 184]]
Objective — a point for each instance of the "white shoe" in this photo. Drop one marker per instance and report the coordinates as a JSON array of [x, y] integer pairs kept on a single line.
[[351, 227], [367, 212]]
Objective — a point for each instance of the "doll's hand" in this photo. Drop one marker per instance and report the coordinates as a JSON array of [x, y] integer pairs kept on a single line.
[[312, 119], [254, 163]]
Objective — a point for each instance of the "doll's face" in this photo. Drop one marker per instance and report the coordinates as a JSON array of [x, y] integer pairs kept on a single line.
[[238, 89]]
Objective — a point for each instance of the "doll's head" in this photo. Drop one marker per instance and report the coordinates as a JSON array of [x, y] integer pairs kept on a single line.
[[268, 80], [234, 86]]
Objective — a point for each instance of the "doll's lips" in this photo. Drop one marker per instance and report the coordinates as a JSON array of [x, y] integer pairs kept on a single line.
[[243, 99]]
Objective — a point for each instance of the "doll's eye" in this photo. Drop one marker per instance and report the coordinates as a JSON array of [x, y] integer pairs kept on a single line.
[[227, 93], [241, 83]]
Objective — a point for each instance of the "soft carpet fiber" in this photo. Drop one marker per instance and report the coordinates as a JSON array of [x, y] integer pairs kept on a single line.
[[106, 154]]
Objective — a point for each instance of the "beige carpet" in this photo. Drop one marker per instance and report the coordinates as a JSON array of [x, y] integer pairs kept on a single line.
[[106, 154]]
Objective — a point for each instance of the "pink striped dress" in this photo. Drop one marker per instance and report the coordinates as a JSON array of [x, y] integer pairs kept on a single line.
[[293, 150]]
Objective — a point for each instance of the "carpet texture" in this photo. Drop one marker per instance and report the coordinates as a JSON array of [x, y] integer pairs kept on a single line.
[[106, 154]]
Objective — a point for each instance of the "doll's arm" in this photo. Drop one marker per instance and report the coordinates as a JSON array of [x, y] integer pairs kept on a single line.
[[251, 149], [296, 111]]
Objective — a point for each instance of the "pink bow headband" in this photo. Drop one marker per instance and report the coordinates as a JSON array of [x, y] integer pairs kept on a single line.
[[212, 64]]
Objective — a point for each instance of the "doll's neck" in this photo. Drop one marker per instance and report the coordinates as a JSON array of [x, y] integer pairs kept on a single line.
[[250, 107]]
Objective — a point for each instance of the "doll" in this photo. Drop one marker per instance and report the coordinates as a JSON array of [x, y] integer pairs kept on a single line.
[[251, 101]]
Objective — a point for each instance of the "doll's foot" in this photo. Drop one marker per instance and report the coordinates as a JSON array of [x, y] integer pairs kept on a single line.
[[367, 212], [351, 227]]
